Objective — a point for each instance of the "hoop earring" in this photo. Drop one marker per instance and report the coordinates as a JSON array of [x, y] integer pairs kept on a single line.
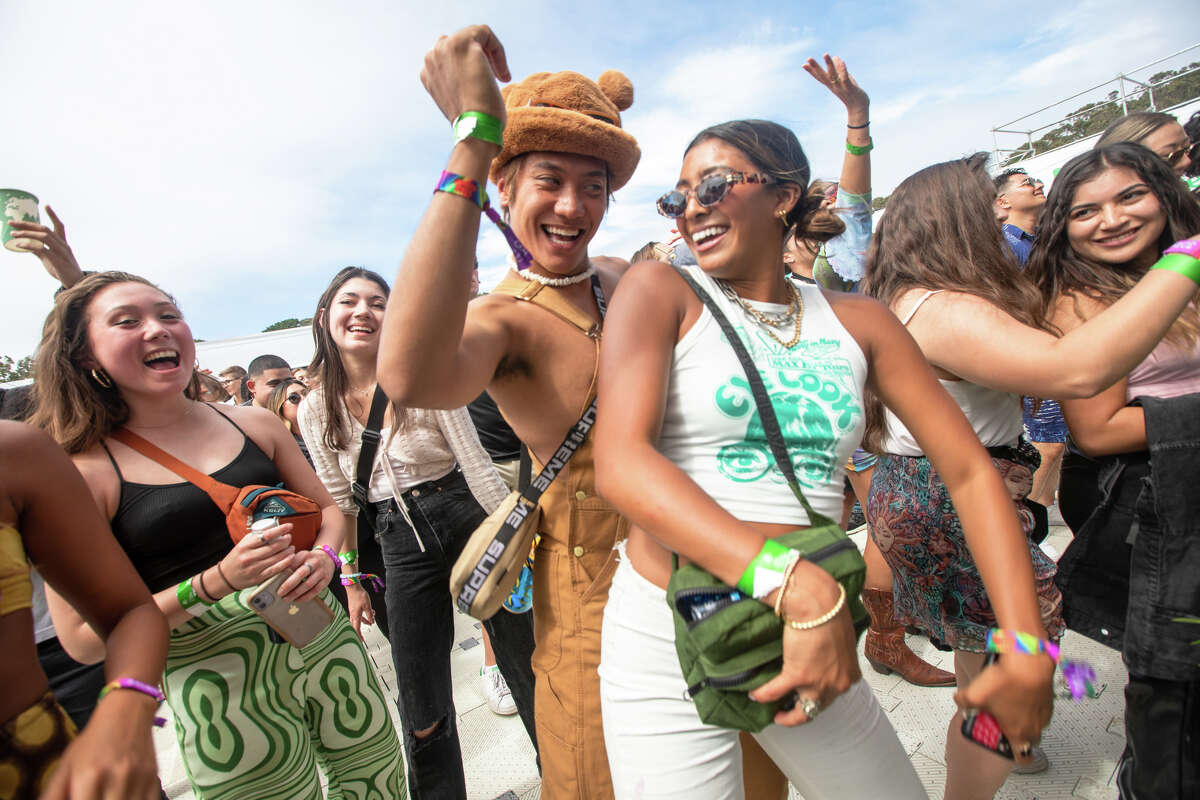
[[101, 378]]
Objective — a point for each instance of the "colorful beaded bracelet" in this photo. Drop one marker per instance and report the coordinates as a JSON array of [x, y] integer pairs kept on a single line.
[[133, 684], [1078, 675], [351, 578], [461, 185]]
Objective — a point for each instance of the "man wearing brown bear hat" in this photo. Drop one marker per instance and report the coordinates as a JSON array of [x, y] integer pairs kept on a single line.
[[532, 343]]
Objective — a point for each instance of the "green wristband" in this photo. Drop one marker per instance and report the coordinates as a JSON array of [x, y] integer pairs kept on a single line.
[[478, 125], [349, 557], [764, 573], [187, 595], [1185, 265], [860, 150]]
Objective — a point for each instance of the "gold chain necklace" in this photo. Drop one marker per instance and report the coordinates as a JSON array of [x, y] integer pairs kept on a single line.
[[764, 322]]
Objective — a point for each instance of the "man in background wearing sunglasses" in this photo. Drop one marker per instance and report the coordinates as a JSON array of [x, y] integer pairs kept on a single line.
[[1019, 200], [555, 148]]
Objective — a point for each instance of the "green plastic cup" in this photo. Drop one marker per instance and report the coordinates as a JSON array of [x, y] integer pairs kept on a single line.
[[16, 206]]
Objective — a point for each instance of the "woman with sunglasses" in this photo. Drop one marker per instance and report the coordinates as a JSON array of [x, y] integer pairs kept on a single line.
[[431, 485], [1157, 131], [253, 715], [1112, 212], [940, 263], [284, 402], [675, 416]]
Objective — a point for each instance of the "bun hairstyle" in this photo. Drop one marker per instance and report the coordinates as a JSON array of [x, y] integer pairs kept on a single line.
[[774, 150]]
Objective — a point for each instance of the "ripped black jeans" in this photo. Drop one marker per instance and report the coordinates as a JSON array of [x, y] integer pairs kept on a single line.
[[421, 616]]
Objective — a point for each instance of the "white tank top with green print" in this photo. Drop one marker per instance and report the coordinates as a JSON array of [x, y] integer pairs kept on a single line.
[[711, 428]]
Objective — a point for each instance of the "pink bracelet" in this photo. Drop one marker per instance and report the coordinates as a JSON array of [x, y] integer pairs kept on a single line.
[[133, 684], [329, 551]]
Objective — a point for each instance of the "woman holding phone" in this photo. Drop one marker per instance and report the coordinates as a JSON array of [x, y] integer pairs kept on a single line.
[[253, 715]]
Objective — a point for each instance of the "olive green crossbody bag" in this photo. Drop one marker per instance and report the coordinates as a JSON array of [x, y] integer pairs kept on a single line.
[[728, 643]]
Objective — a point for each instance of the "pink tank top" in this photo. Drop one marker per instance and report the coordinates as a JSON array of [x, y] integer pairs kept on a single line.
[[1169, 371]]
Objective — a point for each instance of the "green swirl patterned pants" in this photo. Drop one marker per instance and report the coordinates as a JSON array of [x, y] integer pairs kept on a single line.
[[254, 719]]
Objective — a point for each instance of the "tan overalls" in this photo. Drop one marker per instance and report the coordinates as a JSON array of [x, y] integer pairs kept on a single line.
[[573, 569]]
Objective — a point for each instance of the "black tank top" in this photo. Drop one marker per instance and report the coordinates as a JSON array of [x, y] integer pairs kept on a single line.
[[173, 531]]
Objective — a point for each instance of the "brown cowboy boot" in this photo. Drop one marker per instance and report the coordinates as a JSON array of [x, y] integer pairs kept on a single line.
[[886, 650]]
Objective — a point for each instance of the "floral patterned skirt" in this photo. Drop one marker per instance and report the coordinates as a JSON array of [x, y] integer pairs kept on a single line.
[[937, 586]]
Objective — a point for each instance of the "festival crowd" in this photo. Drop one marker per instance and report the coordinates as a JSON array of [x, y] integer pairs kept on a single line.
[[637, 473]]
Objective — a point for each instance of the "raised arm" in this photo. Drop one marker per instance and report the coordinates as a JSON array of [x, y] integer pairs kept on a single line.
[[431, 354], [856, 166], [975, 340]]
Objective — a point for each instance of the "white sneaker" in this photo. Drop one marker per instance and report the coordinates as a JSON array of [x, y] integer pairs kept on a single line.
[[495, 689]]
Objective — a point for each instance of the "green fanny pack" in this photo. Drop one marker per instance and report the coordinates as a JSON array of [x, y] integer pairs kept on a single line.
[[728, 643]]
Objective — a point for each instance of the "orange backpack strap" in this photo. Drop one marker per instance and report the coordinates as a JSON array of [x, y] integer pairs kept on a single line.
[[222, 494], [548, 298]]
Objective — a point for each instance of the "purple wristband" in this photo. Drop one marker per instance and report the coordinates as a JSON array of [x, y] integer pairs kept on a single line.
[[133, 684], [329, 551]]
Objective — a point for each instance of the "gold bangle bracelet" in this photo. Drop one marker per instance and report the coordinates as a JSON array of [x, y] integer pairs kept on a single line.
[[787, 578], [821, 620]]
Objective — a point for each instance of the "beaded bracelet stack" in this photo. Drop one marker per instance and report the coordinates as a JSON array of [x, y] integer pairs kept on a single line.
[[1079, 676], [133, 684]]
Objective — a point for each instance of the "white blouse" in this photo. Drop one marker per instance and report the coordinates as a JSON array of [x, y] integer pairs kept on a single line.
[[425, 449]]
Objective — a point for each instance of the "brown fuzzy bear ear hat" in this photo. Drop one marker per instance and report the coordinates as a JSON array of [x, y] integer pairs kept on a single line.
[[565, 112]]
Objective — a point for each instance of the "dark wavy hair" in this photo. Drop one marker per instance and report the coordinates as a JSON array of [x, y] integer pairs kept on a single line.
[[327, 361], [1058, 270], [775, 151]]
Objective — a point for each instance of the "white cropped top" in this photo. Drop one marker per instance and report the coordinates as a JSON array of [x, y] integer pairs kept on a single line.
[[994, 415], [711, 428]]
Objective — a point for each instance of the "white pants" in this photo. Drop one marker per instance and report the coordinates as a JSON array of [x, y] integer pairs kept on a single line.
[[659, 748]]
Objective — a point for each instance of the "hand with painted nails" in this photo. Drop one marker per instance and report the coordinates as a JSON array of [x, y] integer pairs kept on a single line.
[[461, 70], [50, 245], [836, 78]]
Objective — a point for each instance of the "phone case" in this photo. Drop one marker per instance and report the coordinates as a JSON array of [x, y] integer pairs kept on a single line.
[[298, 623], [981, 727]]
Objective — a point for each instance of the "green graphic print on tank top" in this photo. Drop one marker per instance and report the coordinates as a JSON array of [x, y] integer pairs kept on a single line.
[[254, 718], [813, 392]]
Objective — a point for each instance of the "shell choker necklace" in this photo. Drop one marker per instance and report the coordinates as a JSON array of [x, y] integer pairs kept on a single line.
[[569, 280]]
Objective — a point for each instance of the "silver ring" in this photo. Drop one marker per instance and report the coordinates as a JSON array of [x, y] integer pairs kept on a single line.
[[310, 569], [809, 706], [261, 539]]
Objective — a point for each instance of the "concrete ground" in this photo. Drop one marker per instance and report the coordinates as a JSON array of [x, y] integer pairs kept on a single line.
[[1083, 741]]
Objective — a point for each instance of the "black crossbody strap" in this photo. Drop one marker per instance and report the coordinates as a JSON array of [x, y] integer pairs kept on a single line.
[[524, 469], [766, 412], [531, 492], [370, 446]]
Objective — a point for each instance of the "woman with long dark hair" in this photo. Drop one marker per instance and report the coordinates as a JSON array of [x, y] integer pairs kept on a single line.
[[681, 452], [940, 263], [431, 485], [253, 715], [1109, 217]]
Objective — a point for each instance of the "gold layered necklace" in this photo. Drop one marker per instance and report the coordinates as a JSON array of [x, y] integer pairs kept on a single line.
[[769, 321]]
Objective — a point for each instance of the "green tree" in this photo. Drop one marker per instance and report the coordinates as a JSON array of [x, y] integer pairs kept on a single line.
[[285, 324], [15, 371]]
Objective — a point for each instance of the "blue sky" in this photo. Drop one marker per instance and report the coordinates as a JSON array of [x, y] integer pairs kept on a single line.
[[241, 153]]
